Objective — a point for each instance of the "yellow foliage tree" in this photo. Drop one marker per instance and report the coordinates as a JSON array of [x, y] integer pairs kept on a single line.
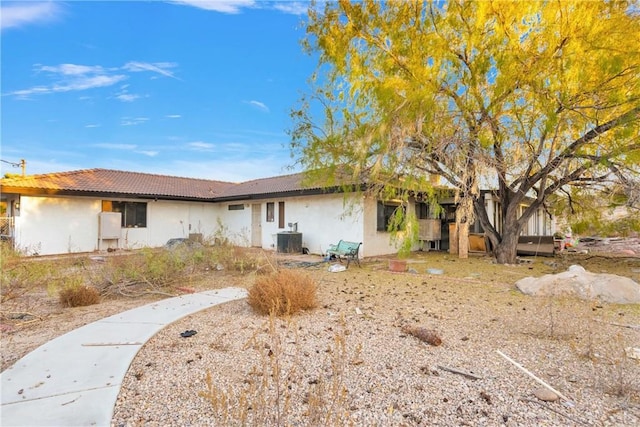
[[531, 98]]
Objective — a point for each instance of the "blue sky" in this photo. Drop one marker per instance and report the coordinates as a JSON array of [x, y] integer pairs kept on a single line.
[[191, 88]]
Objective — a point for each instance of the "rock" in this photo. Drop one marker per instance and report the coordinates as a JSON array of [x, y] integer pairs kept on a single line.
[[633, 352], [578, 282], [545, 394]]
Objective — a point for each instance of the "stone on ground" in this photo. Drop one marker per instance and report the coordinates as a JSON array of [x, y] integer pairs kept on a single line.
[[578, 282]]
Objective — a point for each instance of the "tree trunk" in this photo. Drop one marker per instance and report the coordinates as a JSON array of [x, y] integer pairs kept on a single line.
[[463, 240], [464, 216], [453, 239], [507, 250]]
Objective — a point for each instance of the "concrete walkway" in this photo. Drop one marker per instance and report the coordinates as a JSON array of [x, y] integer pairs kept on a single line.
[[74, 380]]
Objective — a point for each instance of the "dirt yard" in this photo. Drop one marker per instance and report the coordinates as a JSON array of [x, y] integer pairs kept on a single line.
[[578, 346]]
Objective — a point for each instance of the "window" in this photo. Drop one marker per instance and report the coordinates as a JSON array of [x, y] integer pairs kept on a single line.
[[386, 211], [134, 214], [280, 214], [422, 210], [271, 211], [239, 207]]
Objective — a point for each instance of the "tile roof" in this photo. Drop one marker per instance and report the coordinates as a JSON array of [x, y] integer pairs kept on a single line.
[[135, 184], [263, 186], [119, 182]]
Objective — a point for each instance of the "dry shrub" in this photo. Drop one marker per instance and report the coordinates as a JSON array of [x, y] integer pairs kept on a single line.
[[272, 389], [234, 258], [79, 296], [282, 293]]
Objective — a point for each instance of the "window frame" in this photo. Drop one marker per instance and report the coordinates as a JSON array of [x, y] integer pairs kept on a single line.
[[271, 212], [384, 213], [280, 214], [132, 214]]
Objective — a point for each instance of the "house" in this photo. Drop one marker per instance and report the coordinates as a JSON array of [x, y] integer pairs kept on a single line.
[[100, 209]]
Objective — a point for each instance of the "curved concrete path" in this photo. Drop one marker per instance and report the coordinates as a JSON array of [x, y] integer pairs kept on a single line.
[[74, 380]]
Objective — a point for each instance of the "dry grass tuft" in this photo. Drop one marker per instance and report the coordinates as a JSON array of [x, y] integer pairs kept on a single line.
[[283, 293], [234, 258], [79, 296], [273, 387]]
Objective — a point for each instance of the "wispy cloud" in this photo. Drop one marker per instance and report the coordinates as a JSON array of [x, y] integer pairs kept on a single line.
[[148, 153], [92, 125], [133, 121], [77, 82], [126, 147], [238, 170], [236, 6], [200, 146], [127, 97], [173, 116], [76, 77], [156, 67], [70, 69], [293, 8], [20, 14], [224, 6], [259, 105]]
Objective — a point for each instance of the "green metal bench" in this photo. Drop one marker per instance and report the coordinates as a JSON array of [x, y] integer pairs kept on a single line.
[[345, 249]]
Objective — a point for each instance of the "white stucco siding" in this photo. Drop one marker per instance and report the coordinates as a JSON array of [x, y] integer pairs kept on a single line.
[[171, 219], [377, 242], [324, 219], [234, 224], [202, 219], [53, 225], [56, 225], [165, 220]]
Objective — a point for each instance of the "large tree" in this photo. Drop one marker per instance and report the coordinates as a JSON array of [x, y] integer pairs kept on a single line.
[[530, 98]]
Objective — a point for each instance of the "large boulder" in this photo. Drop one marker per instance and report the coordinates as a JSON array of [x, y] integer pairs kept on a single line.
[[578, 282]]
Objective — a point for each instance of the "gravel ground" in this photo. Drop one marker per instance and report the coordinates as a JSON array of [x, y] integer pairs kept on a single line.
[[350, 361]]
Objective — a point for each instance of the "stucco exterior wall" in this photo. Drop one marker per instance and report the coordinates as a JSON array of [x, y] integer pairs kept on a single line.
[[171, 219], [234, 225], [378, 242], [322, 219], [56, 225]]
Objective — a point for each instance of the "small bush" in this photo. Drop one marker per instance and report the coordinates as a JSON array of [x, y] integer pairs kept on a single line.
[[19, 277], [234, 258], [282, 293], [79, 296], [153, 267]]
